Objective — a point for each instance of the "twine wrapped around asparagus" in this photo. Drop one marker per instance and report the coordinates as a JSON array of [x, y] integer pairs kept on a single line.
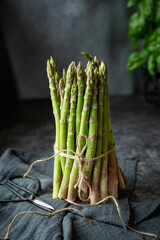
[[81, 108]]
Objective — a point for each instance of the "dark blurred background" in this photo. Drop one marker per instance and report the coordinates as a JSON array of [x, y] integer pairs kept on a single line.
[[31, 32]]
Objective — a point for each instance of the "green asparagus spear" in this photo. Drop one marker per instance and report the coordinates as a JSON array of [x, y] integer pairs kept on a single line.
[[70, 142], [57, 78], [90, 59], [81, 88], [64, 76], [61, 90], [112, 171], [53, 92], [92, 137], [65, 110], [105, 133], [95, 196], [122, 180], [87, 56], [97, 62], [83, 130]]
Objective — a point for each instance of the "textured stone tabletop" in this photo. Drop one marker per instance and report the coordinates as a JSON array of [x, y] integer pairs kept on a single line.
[[29, 125]]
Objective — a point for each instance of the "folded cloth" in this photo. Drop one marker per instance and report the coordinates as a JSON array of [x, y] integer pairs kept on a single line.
[[69, 224]]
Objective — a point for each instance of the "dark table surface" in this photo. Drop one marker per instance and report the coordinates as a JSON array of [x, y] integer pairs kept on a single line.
[[29, 125]]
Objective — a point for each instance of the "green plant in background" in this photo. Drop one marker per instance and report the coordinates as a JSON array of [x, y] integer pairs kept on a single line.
[[144, 31]]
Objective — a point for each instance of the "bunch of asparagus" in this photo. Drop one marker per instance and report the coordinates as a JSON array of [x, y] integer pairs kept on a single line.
[[81, 108]]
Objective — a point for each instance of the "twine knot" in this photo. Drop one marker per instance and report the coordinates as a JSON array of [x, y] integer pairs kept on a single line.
[[82, 178]]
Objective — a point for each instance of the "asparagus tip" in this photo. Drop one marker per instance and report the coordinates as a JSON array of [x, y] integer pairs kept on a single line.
[[96, 61], [103, 69], [87, 56], [52, 62], [50, 70]]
